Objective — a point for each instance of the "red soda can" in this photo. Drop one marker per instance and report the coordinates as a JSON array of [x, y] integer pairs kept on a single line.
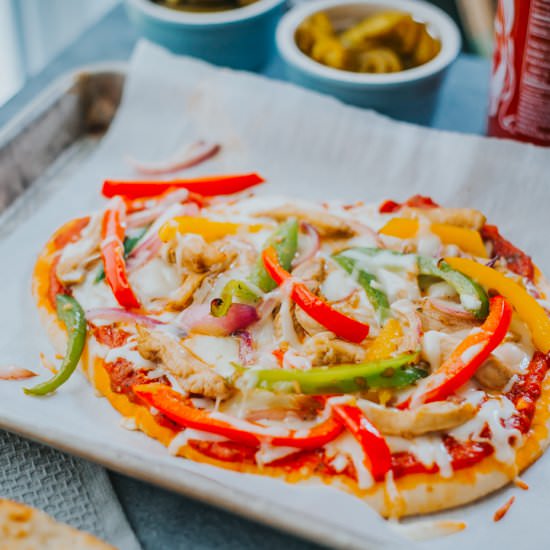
[[519, 106]]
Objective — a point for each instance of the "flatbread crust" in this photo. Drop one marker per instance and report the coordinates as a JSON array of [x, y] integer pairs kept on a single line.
[[25, 528], [410, 495]]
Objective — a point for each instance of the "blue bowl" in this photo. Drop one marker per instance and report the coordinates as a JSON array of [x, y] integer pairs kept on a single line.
[[241, 38], [409, 95]]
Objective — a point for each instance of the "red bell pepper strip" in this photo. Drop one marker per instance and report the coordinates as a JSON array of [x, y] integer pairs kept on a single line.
[[207, 186], [173, 405], [416, 201], [315, 307], [112, 253], [466, 358], [377, 453]]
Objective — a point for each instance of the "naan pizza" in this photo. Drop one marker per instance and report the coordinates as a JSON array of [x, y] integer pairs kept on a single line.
[[398, 351]]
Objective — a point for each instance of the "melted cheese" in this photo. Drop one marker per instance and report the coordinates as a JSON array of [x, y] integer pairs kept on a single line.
[[338, 285], [396, 274], [156, 279], [428, 449], [496, 413], [267, 453], [218, 352], [345, 447]]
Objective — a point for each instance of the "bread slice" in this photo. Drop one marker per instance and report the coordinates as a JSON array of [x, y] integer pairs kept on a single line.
[[25, 528]]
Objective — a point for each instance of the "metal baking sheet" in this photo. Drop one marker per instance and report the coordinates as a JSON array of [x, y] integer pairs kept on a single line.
[[49, 139]]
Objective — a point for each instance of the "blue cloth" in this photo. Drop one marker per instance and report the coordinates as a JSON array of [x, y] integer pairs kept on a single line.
[[163, 520]]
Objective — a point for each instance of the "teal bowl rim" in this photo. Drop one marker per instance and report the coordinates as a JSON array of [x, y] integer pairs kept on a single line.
[[446, 29], [193, 19]]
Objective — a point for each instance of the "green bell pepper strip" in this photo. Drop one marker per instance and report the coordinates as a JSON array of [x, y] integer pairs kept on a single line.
[[472, 295], [285, 242], [376, 297], [129, 244], [74, 319], [233, 290], [395, 372]]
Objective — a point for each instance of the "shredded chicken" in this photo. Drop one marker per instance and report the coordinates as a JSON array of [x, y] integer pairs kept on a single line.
[[76, 256], [182, 297], [193, 375], [462, 217], [424, 419], [196, 255], [494, 374], [324, 349], [433, 319], [328, 225]]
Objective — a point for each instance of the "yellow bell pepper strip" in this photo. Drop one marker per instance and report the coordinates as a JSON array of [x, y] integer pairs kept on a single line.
[[530, 311], [181, 411], [395, 372], [472, 296], [342, 325], [74, 319], [386, 342], [208, 186], [376, 450], [210, 230], [466, 239], [466, 358], [112, 253]]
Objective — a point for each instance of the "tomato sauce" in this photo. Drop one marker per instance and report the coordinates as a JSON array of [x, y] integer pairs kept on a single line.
[[516, 260], [108, 335]]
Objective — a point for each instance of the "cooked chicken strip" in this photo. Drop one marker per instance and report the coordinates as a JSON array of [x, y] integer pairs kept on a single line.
[[494, 374], [327, 225], [182, 297], [325, 349], [426, 418], [196, 255], [193, 375], [71, 267], [433, 319], [462, 217]]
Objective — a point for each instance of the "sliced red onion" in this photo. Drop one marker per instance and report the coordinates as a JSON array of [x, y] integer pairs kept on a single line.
[[413, 337], [149, 215], [188, 156], [13, 372], [450, 308], [313, 246], [121, 315], [246, 347], [197, 318], [143, 252], [363, 229]]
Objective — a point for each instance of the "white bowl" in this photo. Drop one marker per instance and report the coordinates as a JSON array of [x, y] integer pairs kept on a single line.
[[408, 95]]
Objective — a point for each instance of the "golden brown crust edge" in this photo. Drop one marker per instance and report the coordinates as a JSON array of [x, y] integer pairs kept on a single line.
[[25, 528], [412, 494]]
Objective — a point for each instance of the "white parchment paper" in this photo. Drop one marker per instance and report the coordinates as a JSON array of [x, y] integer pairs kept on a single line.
[[306, 145]]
